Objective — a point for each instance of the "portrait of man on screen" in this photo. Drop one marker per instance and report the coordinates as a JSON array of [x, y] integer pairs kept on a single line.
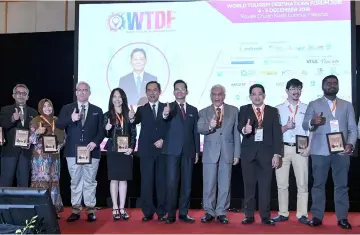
[[135, 82]]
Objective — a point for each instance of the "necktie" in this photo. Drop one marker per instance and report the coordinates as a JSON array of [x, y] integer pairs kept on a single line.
[[218, 116], [138, 84], [22, 117], [154, 110], [82, 114], [182, 111], [259, 116]]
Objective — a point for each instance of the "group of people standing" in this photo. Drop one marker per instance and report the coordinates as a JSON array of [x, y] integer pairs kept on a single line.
[[259, 136]]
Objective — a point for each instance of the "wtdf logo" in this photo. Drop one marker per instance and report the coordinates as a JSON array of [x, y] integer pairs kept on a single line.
[[141, 21]]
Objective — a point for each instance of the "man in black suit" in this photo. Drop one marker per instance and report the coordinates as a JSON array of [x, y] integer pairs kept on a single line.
[[135, 82], [152, 161], [16, 160], [182, 147], [83, 123], [260, 127]]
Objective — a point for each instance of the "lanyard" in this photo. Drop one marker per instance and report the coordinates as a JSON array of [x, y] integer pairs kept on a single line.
[[258, 115], [120, 119], [52, 125], [333, 106], [221, 113], [296, 110]]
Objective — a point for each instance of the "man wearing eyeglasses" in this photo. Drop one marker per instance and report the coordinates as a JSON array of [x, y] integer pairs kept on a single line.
[[16, 160], [83, 124], [292, 113]]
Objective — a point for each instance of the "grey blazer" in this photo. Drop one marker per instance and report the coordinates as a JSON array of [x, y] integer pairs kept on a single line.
[[344, 113], [225, 140]]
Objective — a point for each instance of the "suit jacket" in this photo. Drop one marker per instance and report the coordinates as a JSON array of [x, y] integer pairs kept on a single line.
[[225, 140], [8, 149], [128, 84], [344, 113], [129, 130], [76, 134], [151, 129], [272, 134], [182, 135]]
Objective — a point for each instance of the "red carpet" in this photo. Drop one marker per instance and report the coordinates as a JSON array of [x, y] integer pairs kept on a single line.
[[105, 224]]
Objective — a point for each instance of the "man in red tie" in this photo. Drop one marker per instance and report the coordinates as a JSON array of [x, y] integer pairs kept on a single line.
[[260, 127], [181, 146]]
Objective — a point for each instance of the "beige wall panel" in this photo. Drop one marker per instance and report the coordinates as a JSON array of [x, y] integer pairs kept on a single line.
[[21, 17], [50, 16], [71, 15], [2, 17]]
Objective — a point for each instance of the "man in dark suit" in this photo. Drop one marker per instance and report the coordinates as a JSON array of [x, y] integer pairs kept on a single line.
[[16, 160], [152, 161], [83, 123], [182, 147], [260, 127], [135, 82]]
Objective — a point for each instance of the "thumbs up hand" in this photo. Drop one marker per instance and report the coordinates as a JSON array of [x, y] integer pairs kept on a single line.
[[40, 130], [16, 115], [166, 110], [108, 125], [131, 113], [318, 120], [213, 122], [248, 127], [75, 116], [290, 123]]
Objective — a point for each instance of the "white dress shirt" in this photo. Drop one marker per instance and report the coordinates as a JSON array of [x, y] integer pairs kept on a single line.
[[156, 106], [285, 113], [86, 108], [180, 106]]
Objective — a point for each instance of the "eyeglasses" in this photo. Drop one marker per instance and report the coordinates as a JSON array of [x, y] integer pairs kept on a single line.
[[19, 93], [82, 90]]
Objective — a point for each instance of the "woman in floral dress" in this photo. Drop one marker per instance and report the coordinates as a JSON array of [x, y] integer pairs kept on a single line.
[[45, 171]]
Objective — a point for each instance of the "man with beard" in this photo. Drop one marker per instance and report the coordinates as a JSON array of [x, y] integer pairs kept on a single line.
[[15, 160], [326, 115], [292, 113]]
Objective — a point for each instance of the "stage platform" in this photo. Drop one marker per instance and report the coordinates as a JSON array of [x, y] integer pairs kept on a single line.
[[106, 225]]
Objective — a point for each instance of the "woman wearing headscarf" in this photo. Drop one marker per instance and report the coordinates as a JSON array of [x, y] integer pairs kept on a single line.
[[45, 172]]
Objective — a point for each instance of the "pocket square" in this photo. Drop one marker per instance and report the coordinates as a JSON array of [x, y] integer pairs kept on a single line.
[[95, 113], [190, 115]]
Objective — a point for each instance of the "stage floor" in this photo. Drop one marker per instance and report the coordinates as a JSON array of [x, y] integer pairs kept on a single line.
[[106, 225]]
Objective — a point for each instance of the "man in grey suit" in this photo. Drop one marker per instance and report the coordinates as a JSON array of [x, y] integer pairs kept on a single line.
[[330, 114], [134, 83], [218, 124]]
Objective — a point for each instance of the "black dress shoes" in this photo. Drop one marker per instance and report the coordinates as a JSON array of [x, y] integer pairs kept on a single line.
[[186, 218], [303, 220], [222, 219], [344, 223], [170, 220], [91, 217], [280, 218], [147, 218], [315, 222], [73, 217], [269, 222], [207, 218], [162, 218], [248, 220]]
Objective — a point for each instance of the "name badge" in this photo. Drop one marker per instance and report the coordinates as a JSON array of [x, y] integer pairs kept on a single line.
[[259, 133], [334, 126]]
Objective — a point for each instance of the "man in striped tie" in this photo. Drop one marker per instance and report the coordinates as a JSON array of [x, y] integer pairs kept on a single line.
[[261, 147]]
